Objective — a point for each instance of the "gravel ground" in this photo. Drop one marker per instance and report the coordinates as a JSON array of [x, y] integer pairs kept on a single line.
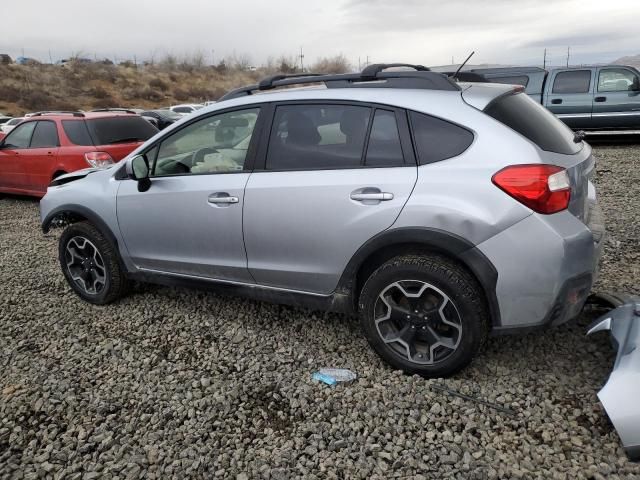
[[178, 383]]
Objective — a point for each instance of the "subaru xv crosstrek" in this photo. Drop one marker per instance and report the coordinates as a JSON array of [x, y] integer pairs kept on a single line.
[[437, 211]]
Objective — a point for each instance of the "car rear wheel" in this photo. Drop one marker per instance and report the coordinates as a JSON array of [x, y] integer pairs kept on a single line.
[[424, 315], [90, 264]]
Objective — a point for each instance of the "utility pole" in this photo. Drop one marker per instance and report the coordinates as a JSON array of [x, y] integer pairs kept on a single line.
[[359, 65], [568, 55], [452, 60], [544, 60], [301, 60], [213, 62], [50, 58]]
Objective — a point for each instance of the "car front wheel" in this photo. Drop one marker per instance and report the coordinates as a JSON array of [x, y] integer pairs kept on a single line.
[[90, 264], [424, 315]]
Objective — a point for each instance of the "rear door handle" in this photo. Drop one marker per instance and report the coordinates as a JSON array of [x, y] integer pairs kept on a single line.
[[556, 101], [222, 198], [600, 99], [382, 196]]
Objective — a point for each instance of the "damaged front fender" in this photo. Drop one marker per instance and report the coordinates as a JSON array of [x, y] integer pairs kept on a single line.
[[620, 394]]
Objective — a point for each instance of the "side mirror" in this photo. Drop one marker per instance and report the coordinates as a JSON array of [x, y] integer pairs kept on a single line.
[[138, 169], [635, 85]]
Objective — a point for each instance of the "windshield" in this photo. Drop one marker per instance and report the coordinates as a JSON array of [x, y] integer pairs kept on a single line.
[[106, 131]]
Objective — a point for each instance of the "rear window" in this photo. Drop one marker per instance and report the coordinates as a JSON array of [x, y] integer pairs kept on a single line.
[[106, 131], [576, 81], [533, 121], [436, 139]]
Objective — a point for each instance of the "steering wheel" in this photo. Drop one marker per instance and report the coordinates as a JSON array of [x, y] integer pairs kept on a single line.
[[200, 154]]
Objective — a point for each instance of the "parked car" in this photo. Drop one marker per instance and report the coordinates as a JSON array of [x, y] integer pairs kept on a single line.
[[186, 108], [585, 98], [438, 212], [10, 124], [4, 119], [49, 144], [162, 117]]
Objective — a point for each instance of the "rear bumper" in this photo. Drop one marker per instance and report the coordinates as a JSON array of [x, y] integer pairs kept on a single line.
[[546, 266], [620, 393]]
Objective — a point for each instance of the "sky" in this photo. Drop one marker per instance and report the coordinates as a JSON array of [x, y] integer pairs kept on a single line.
[[427, 32]]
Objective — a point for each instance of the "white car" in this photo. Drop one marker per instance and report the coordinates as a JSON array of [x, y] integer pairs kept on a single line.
[[10, 125], [186, 108]]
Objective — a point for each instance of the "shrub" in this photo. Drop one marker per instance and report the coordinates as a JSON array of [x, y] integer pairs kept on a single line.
[[99, 92], [158, 84]]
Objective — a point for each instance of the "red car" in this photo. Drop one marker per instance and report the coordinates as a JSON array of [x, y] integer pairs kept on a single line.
[[49, 144]]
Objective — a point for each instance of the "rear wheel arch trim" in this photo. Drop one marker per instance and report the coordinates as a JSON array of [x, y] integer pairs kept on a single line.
[[438, 241]]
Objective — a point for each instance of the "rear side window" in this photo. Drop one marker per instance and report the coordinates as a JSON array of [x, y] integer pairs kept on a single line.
[[534, 122], [307, 137], [576, 81], [77, 132], [514, 80], [107, 131], [384, 148], [436, 139], [45, 135]]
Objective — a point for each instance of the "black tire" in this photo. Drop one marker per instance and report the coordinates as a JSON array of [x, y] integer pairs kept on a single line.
[[115, 283], [437, 277]]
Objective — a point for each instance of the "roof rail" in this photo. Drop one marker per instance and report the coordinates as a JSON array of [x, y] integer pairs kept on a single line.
[[370, 71], [115, 109], [373, 76], [56, 112]]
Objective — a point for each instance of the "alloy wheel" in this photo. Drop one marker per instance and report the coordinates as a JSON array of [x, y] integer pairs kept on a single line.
[[418, 321], [85, 265]]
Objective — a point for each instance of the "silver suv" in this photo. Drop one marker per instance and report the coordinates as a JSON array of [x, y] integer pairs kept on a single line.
[[438, 211]]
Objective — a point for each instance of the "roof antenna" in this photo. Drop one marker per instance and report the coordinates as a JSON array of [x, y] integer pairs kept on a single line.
[[455, 75]]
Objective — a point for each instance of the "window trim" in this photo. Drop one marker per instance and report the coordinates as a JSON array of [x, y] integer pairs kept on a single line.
[[38, 122], [251, 151], [401, 121], [555, 79], [28, 147], [610, 67]]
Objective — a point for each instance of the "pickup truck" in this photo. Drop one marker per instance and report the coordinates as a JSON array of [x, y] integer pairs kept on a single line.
[[585, 98]]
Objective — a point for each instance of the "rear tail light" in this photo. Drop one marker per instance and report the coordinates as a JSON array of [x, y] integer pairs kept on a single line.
[[542, 188], [98, 159]]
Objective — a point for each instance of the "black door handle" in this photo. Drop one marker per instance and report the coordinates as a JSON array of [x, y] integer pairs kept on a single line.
[[556, 101], [600, 99]]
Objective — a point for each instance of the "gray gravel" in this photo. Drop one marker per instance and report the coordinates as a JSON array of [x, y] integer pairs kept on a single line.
[[178, 383]]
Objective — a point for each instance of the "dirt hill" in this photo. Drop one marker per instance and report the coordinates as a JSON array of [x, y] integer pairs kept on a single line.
[[632, 60], [26, 88]]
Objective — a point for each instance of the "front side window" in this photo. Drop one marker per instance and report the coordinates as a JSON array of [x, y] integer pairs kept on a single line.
[[308, 137], [215, 144], [45, 135], [574, 81], [20, 136], [183, 109], [616, 80]]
